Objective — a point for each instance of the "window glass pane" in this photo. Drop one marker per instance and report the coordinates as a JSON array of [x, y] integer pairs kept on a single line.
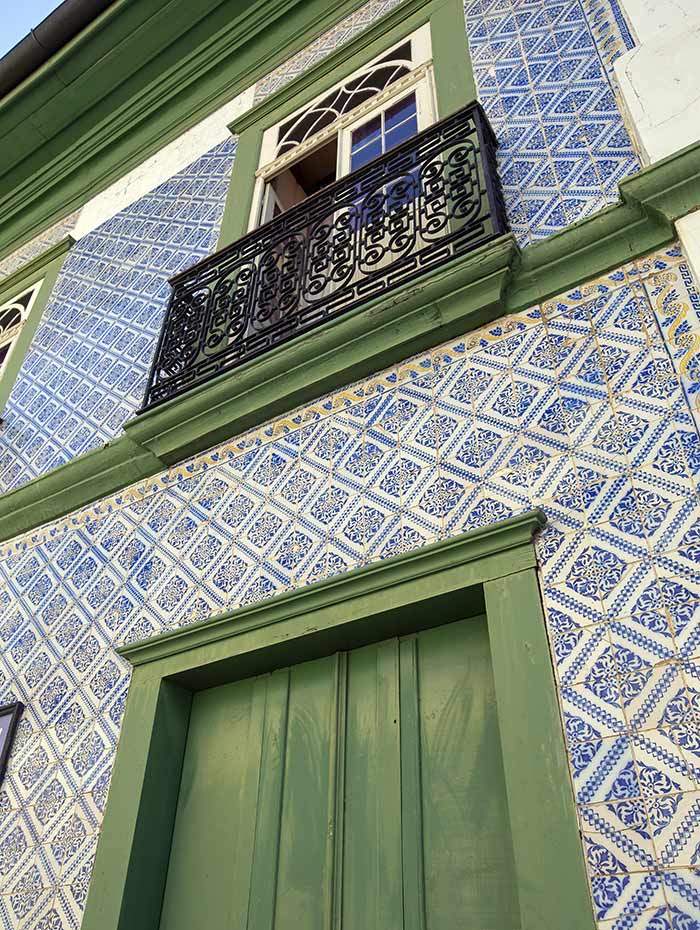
[[398, 112], [401, 132], [363, 155], [367, 131]]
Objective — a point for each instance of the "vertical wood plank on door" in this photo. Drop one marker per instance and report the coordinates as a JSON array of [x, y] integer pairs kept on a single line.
[[372, 882], [411, 787], [263, 883], [223, 744], [305, 868], [469, 868]]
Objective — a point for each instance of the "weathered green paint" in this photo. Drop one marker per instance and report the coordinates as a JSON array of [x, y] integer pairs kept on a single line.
[[419, 741], [454, 76], [221, 766], [402, 597], [537, 775], [46, 266], [454, 83], [144, 791], [137, 78]]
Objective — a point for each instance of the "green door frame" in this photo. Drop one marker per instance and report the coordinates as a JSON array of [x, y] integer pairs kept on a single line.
[[490, 569]]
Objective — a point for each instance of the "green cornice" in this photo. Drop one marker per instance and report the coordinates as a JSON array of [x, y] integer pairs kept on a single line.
[[139, 76], [73, 485], [452, 300], [32, 270], [351, 590]]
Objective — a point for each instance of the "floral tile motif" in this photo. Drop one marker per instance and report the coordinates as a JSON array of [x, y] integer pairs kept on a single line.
[[476, 430], [85, 372]]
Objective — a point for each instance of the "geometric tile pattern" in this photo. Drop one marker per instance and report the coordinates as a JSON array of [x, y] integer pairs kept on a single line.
[[37, 245], [85, 372], [575, 406], [542, 73]]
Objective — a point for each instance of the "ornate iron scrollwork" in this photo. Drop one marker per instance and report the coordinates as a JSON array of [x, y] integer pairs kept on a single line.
[[408, 211]]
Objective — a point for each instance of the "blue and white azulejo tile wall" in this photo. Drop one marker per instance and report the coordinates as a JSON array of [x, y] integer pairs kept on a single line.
[[86, 369], [543, 73], [576, 406]]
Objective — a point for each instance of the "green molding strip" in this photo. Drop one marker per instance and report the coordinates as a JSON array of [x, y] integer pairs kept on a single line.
[[454, 84], [31, 271], [46, 266], [494, 567], [468, 293], [135, 79]]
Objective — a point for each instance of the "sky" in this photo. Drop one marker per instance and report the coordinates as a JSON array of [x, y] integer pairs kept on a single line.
[[19, 16]]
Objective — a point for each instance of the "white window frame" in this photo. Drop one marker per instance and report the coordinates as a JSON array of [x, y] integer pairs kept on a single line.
[[425, 115], [420, 79]]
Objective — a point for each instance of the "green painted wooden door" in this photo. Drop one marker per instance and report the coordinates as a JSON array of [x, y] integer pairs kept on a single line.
[[362, 791]]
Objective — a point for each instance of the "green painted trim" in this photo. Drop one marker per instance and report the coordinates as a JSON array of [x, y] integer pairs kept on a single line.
[[239, 199], [47, 266], [540, 780], [31, 271], [453, 300], [454, 75], [462, 295], [402, 595], [141, 812], [454, 82], [137, 78], [71, 486], [439, 567], [651, 202], [337, 65]]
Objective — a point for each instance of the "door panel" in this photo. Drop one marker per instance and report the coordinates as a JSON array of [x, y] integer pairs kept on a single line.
[[469, 868], [362, 790]]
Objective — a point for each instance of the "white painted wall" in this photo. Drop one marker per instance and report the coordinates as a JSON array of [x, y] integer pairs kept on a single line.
[[172, 158], [659, 80]]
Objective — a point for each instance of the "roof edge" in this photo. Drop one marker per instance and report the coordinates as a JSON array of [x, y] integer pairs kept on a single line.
[[43, 41]]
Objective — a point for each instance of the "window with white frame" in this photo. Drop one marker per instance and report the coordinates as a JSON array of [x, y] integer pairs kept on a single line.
[[13, 316], [368, 114]]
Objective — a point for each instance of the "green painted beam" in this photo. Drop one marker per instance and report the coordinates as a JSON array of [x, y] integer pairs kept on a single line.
[[539, 781], [449, 302], [141, 812], [137, 78]]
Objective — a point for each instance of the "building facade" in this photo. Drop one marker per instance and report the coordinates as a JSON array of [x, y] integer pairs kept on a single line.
[[350, 385]]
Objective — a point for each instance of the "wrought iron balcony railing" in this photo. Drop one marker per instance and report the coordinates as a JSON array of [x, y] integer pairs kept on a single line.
[[430, 199]]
